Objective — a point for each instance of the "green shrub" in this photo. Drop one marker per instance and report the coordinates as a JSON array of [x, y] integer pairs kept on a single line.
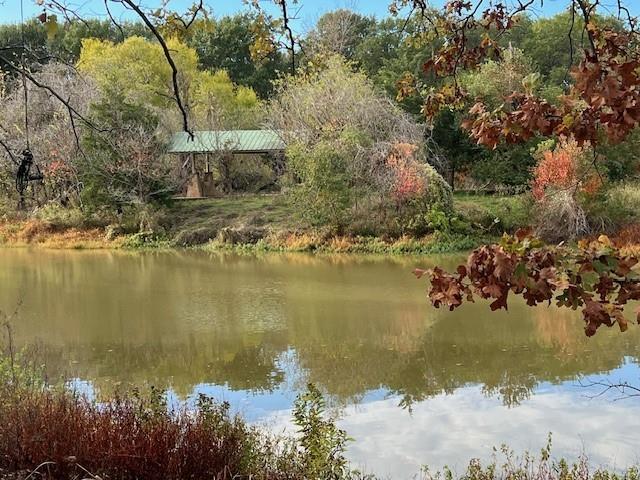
[[323, 444], [322, 196], [437, 219], [127, 164], [251, 174], [59, 216], [505, 166], [142, 239], [613, 208], [194, 236], [622, 160], [496, 215]]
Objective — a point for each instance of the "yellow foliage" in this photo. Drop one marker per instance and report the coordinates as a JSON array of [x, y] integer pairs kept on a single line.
[[139, 69]]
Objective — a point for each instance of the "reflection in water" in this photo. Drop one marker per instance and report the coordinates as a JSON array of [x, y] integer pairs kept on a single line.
[[256, 329]]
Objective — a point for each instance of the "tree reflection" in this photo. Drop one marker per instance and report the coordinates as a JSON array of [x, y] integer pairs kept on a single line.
[[181, 320]]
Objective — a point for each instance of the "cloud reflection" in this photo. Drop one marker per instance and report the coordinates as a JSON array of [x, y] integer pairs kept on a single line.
[[452, 429]]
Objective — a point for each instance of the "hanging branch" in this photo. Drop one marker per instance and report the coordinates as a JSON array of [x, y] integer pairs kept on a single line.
[[9, 151], [169, 58], [291, 46], [113, 20], [290, 42]]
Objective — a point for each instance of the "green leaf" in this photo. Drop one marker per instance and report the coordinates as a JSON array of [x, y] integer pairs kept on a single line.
[[51, 26], [599, 267], [589, 279]]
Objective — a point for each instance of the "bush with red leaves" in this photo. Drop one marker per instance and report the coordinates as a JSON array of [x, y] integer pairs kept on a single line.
[[132, 438]]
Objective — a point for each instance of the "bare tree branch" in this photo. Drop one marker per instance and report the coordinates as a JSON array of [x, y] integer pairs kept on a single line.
[[169, 58]]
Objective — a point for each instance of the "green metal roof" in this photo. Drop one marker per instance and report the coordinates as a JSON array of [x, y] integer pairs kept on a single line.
[[236, 141]]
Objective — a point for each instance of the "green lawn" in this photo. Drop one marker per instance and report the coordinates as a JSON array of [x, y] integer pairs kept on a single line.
[[236, 210], [498, 212]]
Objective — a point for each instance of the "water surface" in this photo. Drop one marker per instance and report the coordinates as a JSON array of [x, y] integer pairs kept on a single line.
[[413, 385]]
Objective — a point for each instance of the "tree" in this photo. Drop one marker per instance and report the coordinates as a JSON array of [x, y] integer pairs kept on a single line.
[[601, 99], [493, 81], [555, 44], [67, 42], [128, 166], [341, 31], [226, 44], [11, 39], [51, 133], [342, 136], [602, 102], [136, 68]]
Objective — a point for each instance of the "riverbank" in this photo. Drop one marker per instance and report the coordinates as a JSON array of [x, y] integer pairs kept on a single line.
[[35, 233], [264, 223], [249, 223]]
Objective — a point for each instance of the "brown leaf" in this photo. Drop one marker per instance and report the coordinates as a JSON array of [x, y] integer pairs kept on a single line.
[[419, 272]]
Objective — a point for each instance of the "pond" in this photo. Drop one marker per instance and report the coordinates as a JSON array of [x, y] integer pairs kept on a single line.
[[412, 385]]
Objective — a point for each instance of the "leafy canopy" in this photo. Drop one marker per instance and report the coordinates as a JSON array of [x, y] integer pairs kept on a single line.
[[138, 70]]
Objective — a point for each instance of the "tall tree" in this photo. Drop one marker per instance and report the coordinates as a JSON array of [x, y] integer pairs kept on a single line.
[[226, 44]]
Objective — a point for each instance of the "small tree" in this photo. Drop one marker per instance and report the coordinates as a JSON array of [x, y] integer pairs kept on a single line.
[[128, 165], [341, 133], [563, 184], [53, 136]]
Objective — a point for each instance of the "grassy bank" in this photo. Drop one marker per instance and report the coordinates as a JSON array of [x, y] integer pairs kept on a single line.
[[268, 223], [252, 223]]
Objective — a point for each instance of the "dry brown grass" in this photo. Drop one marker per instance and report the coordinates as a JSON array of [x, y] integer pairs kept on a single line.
[[43, 234]]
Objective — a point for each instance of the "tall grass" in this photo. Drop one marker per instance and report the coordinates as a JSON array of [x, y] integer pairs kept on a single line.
[[507, 465], [133, 437]]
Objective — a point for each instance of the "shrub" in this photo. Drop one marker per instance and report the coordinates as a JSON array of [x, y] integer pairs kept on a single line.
[[241, 236], [353, 153], [622, 160], [128, 164], [614, 208], [505, 166], [497, 215], [413, 180], [564, 183], [195, 236], [323, 193], [561, 217], [60, 217], [323, 444], [251, 174], [132, 437], [64, 435], [507, 465]]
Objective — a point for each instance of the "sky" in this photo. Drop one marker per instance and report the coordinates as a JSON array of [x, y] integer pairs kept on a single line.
[[308, 10]]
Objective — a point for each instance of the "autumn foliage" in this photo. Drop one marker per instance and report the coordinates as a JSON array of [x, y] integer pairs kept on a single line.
[[604, 96], [597, 278], [408, 178], [128, 438], [556, 169], [565, 167]]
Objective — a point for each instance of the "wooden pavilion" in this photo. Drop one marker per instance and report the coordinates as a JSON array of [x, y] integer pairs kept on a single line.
[[203, 158]]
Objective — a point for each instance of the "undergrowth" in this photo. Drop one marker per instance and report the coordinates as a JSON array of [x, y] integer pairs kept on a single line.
[[505, 464], [51, 432]]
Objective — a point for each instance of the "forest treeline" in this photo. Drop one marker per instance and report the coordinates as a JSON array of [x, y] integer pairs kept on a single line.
[[362, 158]]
